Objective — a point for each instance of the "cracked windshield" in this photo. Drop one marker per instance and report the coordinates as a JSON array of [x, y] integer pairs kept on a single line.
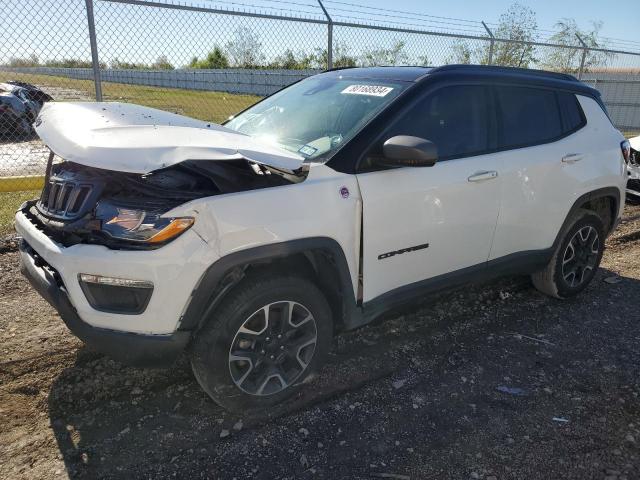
[[314, 117]]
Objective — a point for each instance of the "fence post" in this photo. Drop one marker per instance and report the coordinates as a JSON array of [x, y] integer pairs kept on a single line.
[[490, 60], [584, 57], [329, 37], [94, 50]]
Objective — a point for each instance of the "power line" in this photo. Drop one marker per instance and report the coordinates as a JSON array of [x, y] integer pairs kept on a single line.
[[398, 11], [404, 17], [282, 2], [292, 12], [376, 14], [421, 25]]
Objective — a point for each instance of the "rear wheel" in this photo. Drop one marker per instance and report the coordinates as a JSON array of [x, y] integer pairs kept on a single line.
[[263, 342], [576, 259]]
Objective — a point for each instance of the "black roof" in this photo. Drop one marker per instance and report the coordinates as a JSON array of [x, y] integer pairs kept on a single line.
[[489, 72]]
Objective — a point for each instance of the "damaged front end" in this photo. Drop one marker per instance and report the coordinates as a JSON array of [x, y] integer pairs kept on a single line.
[[123, 210], [124, 167]]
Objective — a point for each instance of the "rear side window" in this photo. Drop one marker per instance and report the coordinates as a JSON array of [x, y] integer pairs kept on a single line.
[[527, 116], [572, 116]]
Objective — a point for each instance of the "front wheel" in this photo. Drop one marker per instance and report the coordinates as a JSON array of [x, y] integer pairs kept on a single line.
[[264, 341], [576, 258]]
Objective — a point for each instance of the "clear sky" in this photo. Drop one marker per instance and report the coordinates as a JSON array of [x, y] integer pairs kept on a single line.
[[57, 29], [621, 17]]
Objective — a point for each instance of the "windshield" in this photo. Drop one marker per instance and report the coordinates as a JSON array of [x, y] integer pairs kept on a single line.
[[314, 117]]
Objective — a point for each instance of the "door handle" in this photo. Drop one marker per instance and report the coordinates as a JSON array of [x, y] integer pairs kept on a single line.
[[483, 176], [572, 158]]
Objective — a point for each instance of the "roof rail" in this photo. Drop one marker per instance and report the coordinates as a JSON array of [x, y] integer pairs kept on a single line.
[[333, 69], [497, 68]]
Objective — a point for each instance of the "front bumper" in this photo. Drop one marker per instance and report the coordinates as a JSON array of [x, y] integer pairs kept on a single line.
[[152, 337], [129, 348], [174, 269]]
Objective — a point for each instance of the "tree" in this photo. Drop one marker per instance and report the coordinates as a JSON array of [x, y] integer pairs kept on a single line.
[[568, 59], [290, 61], [73, 63], [245, 49], [461, 53], [214, 59], [31, 61], [424, 61], [117, 64], [395, 55], [517, 23], [162, 63], [341, 57]]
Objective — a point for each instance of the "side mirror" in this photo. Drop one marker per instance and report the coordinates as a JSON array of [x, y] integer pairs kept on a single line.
[[407, 151]]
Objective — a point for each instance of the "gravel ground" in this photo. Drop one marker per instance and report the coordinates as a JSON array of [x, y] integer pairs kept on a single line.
[[418, 395]]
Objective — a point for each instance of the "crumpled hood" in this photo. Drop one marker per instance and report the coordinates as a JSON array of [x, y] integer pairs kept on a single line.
[[136, 139], [635, 143]]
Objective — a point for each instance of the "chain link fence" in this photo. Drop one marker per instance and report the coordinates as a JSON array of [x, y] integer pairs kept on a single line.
[[210, 63]]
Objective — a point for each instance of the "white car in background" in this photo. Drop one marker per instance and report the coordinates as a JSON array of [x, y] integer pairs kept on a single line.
[[633, 170]]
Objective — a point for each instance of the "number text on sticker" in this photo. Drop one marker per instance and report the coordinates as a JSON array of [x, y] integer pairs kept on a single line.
[[371, 90]]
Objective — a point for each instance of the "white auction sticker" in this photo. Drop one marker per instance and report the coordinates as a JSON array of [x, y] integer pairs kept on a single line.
[[371, 90]]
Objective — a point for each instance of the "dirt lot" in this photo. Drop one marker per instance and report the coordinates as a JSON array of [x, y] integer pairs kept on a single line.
[[413, 396]]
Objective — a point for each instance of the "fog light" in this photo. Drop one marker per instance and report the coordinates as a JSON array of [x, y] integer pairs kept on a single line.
[[116, 282], [116, 295]]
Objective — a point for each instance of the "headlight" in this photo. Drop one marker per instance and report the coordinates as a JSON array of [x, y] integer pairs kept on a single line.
[[145, 226]]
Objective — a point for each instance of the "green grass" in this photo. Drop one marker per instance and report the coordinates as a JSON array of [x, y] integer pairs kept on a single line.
[[208, 106], [9, 203]]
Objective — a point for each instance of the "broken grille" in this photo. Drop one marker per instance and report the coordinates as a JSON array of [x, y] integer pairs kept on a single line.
[[65, 199]]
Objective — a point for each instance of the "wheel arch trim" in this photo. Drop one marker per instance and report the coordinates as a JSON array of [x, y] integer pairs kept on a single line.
[[211, 288], [587, 197]]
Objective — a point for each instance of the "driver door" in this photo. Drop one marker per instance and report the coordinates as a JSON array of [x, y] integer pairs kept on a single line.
[[426, 224]]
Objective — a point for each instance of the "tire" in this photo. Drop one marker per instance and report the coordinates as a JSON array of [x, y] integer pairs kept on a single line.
[[574, 254], [282, 354]]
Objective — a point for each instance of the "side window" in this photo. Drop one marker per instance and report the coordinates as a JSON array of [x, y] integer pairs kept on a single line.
[[527, 116], [455, 118], [572, 116]]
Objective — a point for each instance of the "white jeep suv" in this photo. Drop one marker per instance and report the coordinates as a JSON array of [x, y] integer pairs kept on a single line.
[[250, 245]]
